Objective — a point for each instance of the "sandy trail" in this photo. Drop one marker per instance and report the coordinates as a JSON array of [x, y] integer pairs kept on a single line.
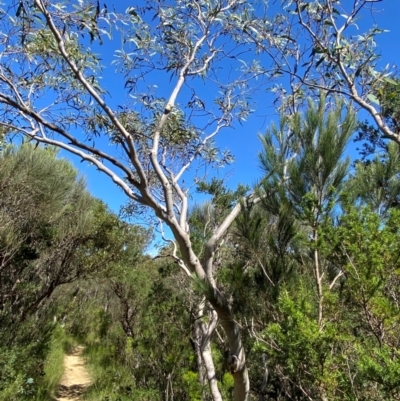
[[75, 379]]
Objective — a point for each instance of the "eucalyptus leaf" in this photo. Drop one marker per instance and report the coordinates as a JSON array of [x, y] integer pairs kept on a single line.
[[371, 97]]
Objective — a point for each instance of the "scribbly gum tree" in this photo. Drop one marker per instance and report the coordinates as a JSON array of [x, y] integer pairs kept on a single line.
[[146, 142], [184, 72]]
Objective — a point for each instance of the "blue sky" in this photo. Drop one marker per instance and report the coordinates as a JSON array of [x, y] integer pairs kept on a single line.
[[243, 140]]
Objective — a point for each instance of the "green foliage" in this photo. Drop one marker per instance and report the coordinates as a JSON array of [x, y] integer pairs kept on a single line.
[[192, 386], [135, 328], [32, 366], [59, 345], [12, 381], [222, 197], [204, 218], [301, 350], [304, 155], [370, 260], [377, 183], [388, 94], [354, 355], [51, 227], [299, 254], [380, 366], [112, 380], [387, 97], [52, 233]]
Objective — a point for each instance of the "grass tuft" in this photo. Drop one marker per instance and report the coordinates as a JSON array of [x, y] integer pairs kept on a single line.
[[60, 344]]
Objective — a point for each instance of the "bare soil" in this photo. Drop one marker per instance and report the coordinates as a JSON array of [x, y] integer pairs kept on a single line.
[[75, 379]]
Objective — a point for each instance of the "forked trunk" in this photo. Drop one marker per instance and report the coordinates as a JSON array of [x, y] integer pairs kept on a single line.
[[236, 360]]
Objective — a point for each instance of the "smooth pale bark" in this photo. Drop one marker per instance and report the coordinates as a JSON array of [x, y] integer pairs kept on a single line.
[[351, 84], [203, 334], [236, 361], [197, 335], [210, 369]]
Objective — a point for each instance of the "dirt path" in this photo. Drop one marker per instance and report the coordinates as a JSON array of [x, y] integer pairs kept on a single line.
[[75, 379]]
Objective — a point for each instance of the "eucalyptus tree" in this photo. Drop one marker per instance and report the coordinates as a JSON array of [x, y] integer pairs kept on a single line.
[[50, 84], [147, 143]]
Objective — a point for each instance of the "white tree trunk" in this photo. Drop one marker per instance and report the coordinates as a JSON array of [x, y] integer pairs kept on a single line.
[[198, 335], [210, 369], [203, 335]]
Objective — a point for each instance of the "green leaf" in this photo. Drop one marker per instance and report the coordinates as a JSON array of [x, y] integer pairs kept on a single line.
[[392, 81], [372, 98]]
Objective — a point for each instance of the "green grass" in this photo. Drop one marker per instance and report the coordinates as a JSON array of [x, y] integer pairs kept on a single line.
[[60, 343], [112, 381]]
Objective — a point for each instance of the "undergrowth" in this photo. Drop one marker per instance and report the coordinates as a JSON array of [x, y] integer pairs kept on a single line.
[[60, 344], [112, 380]]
